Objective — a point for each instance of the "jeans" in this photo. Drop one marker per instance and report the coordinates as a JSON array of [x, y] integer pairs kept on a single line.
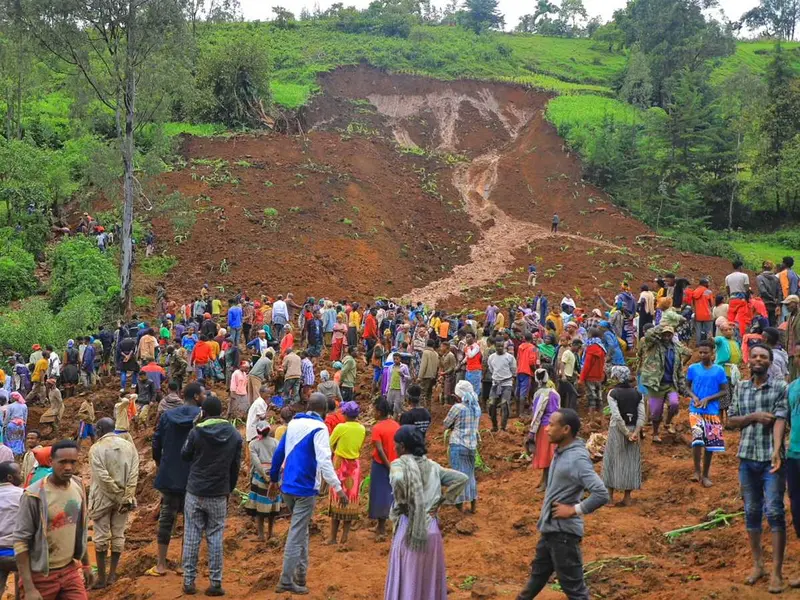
[[793, 485], [763, 493], [703, 330], [201, 371], [559, 552], [523, 385], [235, 333], [295, 553], [291, 391], [203, 515]]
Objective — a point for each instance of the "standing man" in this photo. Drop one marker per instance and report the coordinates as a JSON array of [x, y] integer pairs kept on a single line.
[[370, 335], [114, 463], [235, 320], [292, 372], [171, 432], [280, 317], [769, 288], [348, 374], [760, 410], [527, 359], [702, 300], [790, 283], [540, 306], [567, 374], [662, 376], [305, 454], [473, 363], [314, 335], [503, 367], [428, 369], [50, 539], [10, 494], [259, 374], [791, 307], [561, 521], [214, 451], [738, 286], [708, 384], [554, 224]]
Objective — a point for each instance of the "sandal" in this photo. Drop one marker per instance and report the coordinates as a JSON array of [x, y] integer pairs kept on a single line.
[[151, 572]]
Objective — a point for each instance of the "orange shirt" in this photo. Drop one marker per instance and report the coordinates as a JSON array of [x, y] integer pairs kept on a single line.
[[444, 329], [202, 353], [526, 358], [702, 303]]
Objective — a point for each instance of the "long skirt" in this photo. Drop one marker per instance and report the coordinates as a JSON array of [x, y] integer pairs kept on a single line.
[[544, 452], [349, 473], [416, 575], [380, 491], [629, 334], [474, 378], [15, 437], [622, 461], [257, 502], [462, 459], [238, 406], [337, 346]]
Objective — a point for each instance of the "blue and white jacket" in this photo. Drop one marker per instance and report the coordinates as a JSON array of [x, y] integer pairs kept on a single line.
[[305, 454]]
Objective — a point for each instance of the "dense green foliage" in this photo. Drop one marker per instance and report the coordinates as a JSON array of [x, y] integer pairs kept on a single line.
[[16, 268], [78, 267]]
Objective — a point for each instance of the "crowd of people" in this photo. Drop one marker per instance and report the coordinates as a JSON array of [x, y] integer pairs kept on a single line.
[[297, 377]]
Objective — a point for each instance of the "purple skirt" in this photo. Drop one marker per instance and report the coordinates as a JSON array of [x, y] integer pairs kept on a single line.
[[416, 575]]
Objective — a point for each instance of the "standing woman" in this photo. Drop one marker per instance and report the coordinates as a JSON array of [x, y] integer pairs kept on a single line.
[[622, 460], [546, 401], [16, 420], [339, 338], [380, 490], [22, 376], [646, 307], [258, 503], [346, 441], [416, 561], [464, 419], [328, 322], [729, 357]]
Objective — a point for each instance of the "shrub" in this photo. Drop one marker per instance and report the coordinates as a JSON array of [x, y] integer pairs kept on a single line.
[[158, 266], [78, 266], [16, 268]]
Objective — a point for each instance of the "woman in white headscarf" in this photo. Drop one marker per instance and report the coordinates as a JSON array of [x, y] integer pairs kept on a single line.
[[462, 424]]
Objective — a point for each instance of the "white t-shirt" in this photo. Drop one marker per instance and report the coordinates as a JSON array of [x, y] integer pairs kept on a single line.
[[568, 360], [737, 282]]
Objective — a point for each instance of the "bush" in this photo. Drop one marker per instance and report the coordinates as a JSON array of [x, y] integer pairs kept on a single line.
[[158, 266], [34, 323], [16, 268], [77, 267]]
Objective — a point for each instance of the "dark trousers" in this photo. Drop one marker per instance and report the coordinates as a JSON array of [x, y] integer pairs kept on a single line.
[[171, 505], [347, 394], [370, 348], [246, 327], [568, 393], [793, 485], [559, 552]]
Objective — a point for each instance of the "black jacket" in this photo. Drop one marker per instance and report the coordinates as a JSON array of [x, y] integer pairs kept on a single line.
[[171, 432], [214, 449]]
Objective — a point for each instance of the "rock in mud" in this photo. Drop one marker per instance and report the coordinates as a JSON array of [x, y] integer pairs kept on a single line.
[[483, 590], [466, 527]]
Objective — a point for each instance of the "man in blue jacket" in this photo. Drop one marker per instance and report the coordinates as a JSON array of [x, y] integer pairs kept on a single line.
[[235, 319], [306, 450], [171, 432]]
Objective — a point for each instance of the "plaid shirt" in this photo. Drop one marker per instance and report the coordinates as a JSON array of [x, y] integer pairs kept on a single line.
[[756, 440], [464, 424], [307, 372]]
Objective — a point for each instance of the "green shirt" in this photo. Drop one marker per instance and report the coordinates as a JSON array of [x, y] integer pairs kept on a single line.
[[794, 420], [394, 383], [165, 333]]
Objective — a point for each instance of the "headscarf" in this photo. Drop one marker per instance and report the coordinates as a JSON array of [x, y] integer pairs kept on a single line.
[[70, 343], [466, 392], [324, 375], [621, 373], [43, 455], [263, 428], [350, 409], [409, 489], [337, 365], [223, 332], [17, 397], [721, 322]]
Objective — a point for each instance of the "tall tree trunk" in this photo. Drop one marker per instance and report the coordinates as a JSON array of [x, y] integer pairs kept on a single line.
[[129, 193]]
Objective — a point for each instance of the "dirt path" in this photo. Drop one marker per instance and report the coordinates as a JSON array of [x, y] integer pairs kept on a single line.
[[501, 234]]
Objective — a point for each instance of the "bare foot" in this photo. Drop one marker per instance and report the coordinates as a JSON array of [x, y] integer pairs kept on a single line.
[[624, 502], [260, 538], [695, 478], [756, 574], [380, 538], [542, 487], [656, 439], [99, 585], [775, 584], [707, 483], [331, 543], [671, 429], [794, 583]]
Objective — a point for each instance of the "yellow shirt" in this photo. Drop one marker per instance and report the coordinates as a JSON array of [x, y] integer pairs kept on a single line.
[[2, 377], [280, 431], [214, 349], [40, 371], [122, 421], [435, 322], [216, 306], [347, 439], [355, 319], [500, 321]]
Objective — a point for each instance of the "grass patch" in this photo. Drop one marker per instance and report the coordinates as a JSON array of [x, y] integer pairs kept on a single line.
[[756, 252], [157, 266], [142, 302], [173, 129], [291, 95], [755, 56]]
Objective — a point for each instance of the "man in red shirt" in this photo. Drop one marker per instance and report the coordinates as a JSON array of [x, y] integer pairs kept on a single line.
[[201, 357], [527, 361], [370, 334], [702, 300], [593, 371], [473, 363]]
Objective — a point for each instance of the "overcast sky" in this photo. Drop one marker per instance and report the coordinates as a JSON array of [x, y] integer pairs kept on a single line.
[[512, 9]]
